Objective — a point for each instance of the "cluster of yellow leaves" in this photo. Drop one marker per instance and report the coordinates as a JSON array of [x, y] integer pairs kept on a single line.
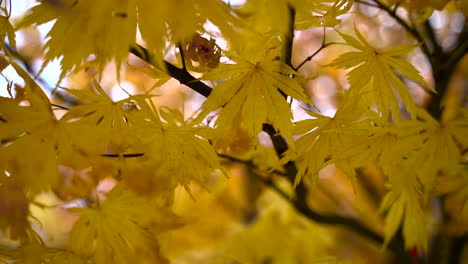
[[325, 140], [264, 240], [324, 13], [252, 92], [188, 156], [380, 68], [108, 28], [127, 135], [123, 229], [262, 20], [155, 154], [108, 126], [35, 251], [26, 131], [413, 154], [14, 209]]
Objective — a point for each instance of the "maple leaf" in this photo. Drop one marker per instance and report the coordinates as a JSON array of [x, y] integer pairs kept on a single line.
[[106, 28], [424, 150], [26, 131], [325, 140], [14, 208], [103, 123], [34, 251], [7, 30], [262, 240], [404, 204], [124, 228], [402, 207], [381, 68], [325, 12], [182, 151], [252, 91], [436, 149]]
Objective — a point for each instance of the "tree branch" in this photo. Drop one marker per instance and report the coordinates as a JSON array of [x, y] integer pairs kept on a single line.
[[412, 31], [289, 37], [183, 76], [443, 71], [301, 206], [433, 39]]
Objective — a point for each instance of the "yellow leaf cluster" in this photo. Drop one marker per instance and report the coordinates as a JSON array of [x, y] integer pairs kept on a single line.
[[26, 131], [122, 229], [35, 252], [413, 154], [262, 20], [108, 28], [324, 140], [252, 92], [187, 155], [324, 12], [380, 68]]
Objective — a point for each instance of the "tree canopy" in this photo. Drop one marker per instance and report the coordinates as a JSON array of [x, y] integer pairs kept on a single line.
[[245, 131]]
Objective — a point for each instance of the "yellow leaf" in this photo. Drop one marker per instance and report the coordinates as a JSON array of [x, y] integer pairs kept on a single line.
[[104, 123], [404, 206], [14, 208], [324, 12], [7, 30], [187, 155], [253, 94], [325, 140], [380, 67]]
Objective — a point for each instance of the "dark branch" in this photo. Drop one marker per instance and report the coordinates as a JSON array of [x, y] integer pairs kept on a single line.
[[289, 37], [181, 75], [412, 31], [443, 70]]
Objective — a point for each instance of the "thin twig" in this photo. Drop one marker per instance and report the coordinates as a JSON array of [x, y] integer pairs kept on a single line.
[[60, 107], [412, 31], [322, 46], [249, 163]]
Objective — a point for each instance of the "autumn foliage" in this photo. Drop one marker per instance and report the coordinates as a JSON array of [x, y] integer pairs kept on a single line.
[[239, 177]]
